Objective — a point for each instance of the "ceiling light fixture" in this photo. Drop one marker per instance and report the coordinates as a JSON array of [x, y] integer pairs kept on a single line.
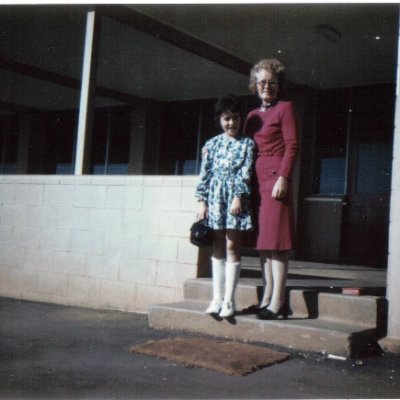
[[329, 32]]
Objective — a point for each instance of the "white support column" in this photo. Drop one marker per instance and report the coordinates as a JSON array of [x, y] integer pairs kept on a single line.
[[84, 100], [392, 342]]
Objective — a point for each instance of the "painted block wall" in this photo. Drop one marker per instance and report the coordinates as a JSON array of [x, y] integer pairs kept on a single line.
[[112, 242]]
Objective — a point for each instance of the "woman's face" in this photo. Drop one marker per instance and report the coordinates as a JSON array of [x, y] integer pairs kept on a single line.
[[230, 123], [267, 86]]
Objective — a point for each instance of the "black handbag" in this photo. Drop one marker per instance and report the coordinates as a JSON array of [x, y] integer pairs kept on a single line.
[[201, 234]]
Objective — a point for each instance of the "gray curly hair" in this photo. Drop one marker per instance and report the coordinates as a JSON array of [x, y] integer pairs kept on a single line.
[[272, 65]]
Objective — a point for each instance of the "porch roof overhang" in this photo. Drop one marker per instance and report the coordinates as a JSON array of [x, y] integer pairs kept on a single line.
[[170, 52]]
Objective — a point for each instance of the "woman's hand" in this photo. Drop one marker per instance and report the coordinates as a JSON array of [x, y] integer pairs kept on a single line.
[[280, 188], [202, 212], [236, 206]]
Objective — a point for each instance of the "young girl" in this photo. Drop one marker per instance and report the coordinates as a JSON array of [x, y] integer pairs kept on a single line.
[[224, 198]]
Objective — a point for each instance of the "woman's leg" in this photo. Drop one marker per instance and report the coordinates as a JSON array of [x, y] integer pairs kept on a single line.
[[232, 271], [280, 263], [268, 282], [218, 272]]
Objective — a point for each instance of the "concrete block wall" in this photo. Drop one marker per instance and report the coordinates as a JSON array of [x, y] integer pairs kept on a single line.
[[117, 242]]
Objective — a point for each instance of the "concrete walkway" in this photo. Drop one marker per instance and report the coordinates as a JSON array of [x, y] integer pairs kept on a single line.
[[57, 352]]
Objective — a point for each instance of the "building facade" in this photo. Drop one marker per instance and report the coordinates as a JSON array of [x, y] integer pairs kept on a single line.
[[103, 114]]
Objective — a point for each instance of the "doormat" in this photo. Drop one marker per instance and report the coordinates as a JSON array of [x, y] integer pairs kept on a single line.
[[230, 358]]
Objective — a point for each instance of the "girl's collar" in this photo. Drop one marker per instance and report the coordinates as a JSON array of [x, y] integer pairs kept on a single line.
[[238, 136]]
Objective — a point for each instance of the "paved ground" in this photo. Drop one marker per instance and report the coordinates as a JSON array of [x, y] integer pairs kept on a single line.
[[56, 352]]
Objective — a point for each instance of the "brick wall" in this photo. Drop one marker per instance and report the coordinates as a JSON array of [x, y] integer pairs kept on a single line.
[[105, 242]]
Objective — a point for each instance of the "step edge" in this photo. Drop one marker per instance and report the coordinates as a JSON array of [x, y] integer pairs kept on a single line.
[[292, 322]]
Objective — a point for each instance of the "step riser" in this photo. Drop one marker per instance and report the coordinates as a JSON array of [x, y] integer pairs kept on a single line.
[[251, 329], [301, 304], [368, 310], [202, 291]]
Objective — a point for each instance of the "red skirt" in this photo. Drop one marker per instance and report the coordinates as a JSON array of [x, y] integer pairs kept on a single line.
[[275, 216]]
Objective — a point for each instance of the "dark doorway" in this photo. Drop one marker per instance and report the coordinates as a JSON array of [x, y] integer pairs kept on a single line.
[[366, 213], [346, 172]]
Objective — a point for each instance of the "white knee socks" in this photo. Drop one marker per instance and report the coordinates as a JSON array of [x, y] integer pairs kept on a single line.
[[225, 277], [218, 280], [232, 271]]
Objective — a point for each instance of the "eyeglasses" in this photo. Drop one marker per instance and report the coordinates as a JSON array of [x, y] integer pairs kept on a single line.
[[265, 83]]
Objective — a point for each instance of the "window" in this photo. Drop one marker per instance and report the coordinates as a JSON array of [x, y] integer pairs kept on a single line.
[[41, 60], [331, 142]]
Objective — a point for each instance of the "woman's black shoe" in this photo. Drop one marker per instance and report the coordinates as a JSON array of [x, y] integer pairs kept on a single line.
[[254, 309], [268, 314]]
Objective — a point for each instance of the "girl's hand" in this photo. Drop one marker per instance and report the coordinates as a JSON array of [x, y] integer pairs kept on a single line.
[[204, 153], [236, 206], [202, 212], [280, 188]]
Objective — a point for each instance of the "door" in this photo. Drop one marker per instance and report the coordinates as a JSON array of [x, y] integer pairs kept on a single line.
[[346, 174], [323, 176], [366, 213]]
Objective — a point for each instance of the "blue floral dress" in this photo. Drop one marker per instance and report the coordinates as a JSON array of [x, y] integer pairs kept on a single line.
[[225, 172]]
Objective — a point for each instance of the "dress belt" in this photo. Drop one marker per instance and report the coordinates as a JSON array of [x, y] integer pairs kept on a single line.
[[220, 175]]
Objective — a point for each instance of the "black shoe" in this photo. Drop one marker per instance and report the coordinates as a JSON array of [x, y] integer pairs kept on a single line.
[[268, 314], [250, 310], [254, 309]]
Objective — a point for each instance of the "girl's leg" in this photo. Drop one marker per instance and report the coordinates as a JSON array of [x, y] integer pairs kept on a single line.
[[232, 271], [233, 245], [280, 263], [218, 272], [268, 282], [219, 244]]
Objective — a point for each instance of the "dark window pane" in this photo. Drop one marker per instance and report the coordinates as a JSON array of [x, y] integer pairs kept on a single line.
[[332, 119]]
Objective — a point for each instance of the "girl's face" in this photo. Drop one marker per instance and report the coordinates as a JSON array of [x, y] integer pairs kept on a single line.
[[230, 123], [267, 86]]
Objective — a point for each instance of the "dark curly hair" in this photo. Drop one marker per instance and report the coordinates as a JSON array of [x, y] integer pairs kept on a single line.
[[226, 103]]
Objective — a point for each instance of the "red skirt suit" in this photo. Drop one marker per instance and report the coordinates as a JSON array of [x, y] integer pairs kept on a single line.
[[275, 132]]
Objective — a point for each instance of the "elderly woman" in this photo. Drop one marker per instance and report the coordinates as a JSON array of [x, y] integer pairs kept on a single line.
[[273, 127]]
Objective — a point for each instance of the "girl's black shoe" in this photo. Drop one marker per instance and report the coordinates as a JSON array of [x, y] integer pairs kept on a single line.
[[268, 314]]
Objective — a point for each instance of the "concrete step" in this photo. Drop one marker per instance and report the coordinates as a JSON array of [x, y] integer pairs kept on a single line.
[[303, 303], [363, 310], [317, 335]]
